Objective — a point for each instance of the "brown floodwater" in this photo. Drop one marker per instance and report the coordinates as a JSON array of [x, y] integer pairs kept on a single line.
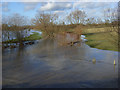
[[50, 65]]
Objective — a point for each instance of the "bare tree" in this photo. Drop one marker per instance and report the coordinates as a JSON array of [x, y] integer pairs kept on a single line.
[[76, 17], [15, 24], [91, 20], [17, 20], [99, 21], [45, 22], [111, 21]]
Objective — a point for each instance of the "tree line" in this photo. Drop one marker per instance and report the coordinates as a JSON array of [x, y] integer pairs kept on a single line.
[[49, 23]]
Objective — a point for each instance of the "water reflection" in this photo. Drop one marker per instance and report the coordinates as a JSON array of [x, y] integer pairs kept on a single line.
[[47, 64], [68, 38]]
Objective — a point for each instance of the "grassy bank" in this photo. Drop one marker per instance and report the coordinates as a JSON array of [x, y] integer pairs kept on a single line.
[[99, 37], [34, 36], [95, 30], [101, 40]]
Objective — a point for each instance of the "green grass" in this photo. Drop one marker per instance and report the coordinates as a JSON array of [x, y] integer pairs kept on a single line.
[[34, 36], [96, 30], [101, 41]]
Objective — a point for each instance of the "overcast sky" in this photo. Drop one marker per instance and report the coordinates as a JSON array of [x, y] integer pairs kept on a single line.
[[29, 9]]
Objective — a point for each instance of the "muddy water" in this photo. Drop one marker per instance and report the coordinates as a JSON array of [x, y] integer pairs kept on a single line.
[[48, 65]]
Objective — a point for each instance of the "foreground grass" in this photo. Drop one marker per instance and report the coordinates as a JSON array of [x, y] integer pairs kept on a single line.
[[101, 41], [34, 36]]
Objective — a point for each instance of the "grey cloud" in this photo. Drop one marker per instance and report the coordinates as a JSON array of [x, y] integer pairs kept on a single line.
[[0, 4], [5, 7], [58, 12], [56, 6], [4, 4], [30, 6], [92, 5], [93, 9]]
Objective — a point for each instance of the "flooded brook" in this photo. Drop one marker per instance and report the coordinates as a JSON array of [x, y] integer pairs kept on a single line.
[[49, 65]]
